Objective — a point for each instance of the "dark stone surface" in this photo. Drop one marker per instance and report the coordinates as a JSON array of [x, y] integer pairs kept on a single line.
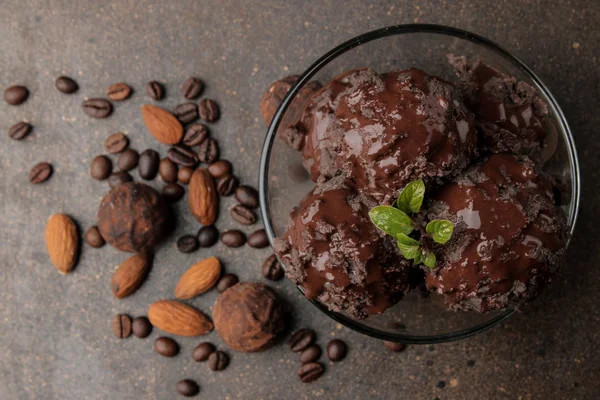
[[55, 331]]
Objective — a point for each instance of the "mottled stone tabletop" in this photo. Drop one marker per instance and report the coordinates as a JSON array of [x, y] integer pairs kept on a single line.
[[55, 334]]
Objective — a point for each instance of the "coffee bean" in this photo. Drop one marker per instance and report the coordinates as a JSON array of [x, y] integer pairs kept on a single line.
[[273, 96], [233, 238], [208, 110], [219, 168], [93, 237], [19, 130], [393, 346], [302, 339], [218, 361], [148, 164], [208, 236], [208, 151], [116, 143], [272, 269], [310, 354], [167, 170], [194, 134], [202, 351], [192, 87], [41, 172], [116, 178], [118, 91], [243, 215], [258, 239], [97, 108], [182, 155], [128, 160], [187, 388], [185, 174], [155, 90], [310, 372], [173, 193], [227, 185], [337, 350], [121, 325], [16, 95], [187, 244], [247, 195], [141, 327], [226, 281], [101, 168], [166, 347], [66, 85], [186, 113]]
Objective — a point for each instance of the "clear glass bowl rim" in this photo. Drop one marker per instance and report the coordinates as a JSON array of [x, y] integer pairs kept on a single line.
[[374, 35]]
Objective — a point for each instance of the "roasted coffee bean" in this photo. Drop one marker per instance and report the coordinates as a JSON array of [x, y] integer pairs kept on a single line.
[[182, 155], [273, 96], [116, 178], [118, 91], [393, 346], [258, 239], [185, 174], [141, 327], [337, 350], [218, 361], [186, 113], [19, 130], [194, 134], [148, 164], [226, 281], [192, 87], [272, 269], [187, 244], [247, 196], [243, 215], [166, 347], [93, 237], [155, 90], [97, 108], [167, 170], [233, 238], [128, 160], [66, 85], [202, 351], [208, 236], [173, 193], [16, 95], [310, 372], [116, 143], [41, 172], [101, 168], [187, 388], [302, 339], [227, 185], [208, 151], [208, 110], [220, 168], [310, 354], [121, 325]]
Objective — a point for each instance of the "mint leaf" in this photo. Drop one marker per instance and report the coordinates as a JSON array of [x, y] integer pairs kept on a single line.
[[391, 220], [440, 230], [429, 260], [411, 198], [419, 258], [409, 247]]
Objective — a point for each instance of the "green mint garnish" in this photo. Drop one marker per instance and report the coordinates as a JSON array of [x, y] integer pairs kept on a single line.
[[391, 220], [429, 260], [408, 246], [411, 197], [440, 230]]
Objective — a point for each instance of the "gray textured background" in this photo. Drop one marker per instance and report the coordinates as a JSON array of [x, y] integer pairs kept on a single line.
[[55, 336]]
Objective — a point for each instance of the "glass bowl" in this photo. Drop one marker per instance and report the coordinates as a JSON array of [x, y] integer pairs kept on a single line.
[[419, 317]]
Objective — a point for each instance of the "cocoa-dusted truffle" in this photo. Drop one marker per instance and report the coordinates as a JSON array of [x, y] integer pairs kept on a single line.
[[133, 217], [249, 316]]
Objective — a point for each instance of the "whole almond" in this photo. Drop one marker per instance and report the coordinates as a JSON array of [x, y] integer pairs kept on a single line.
[[203, 197], [62, 242], [178, 318], [130, 275], [162, 124], [199, 278]]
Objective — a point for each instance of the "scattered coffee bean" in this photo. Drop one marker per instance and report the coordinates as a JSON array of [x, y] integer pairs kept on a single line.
[[187, 244], [247, 196], [202, 351], [187, 388], [19, 130], [16, 95], [226, 281], [220, 168], [128, 160], [166, 347], [258, 239], [173, 192], [141, 327], [192, 87], [101, 168], [208, 151], [227, 185], [310, 354], [97, 108], [218, 361], [194, 134], [208, 110], [148, 164], [337, 350], [186, 113], [208, 236], [272, 269], [243, 215], [41, 172], [116, 178], [273, 96], [116, 143], [393, 346], [182, 155], [167, 170], [233, 238], [121, 325], [184, 175], [302, 339], [66, 85], [310, 372], [118, 91], [155, 90], [93, 237]]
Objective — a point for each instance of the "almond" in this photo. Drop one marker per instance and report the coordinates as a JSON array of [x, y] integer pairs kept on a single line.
[[162, 124], [130, 275], [203, 197], [179, 319], [199, 278], [62, 242]]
